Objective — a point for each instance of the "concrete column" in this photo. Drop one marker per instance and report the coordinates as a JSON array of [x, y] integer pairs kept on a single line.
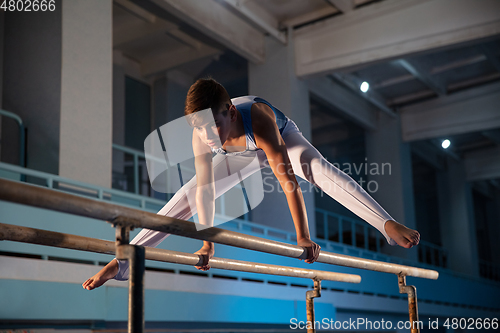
[[276, 82], [32, 69], [118, 104], [458, 228], [118, 165], [391, 186], [86, 91]]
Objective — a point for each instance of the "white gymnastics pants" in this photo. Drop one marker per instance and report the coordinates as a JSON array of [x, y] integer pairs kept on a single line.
[[307, 163]]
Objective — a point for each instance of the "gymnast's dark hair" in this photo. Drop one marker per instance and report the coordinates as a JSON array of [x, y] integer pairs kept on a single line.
[[206, 93]]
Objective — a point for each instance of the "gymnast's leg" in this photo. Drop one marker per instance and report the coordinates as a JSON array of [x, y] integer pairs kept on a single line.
[[182, 206], [309, 164]]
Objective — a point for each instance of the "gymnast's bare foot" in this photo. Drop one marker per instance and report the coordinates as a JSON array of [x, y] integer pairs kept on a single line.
[[108, 272], [402, 235]]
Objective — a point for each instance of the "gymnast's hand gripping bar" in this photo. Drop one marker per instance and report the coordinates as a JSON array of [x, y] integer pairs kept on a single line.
[[128, 217]]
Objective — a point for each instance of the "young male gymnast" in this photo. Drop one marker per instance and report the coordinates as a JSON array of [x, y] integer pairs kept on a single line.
[[242, 129]]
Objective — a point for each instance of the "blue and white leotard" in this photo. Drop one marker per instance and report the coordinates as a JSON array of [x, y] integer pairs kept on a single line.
[[244, 106]]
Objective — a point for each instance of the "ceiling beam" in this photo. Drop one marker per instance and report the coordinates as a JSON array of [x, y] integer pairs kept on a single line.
[[483, 164], [345, 6], [492, 58], [423, 76], [472, 110], [136, 10], [218, 22], [392, 29], [433, 71], [473, 82], [344, 100], [257, 17], [411, 97], [492, 135], [138, 30], [425, 94], [310, 17], [457, 64], [371, 96], [185, 38], [393, 80], [169, 60]]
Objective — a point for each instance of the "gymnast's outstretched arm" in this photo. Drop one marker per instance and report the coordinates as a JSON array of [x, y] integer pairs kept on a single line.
[[268, 138], [205, 194]]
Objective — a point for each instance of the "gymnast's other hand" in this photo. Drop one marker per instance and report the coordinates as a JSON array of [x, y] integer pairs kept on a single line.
[[206, 252], [312, 249]]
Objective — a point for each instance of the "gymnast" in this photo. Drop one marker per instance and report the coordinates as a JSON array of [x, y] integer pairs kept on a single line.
[[243, 129]]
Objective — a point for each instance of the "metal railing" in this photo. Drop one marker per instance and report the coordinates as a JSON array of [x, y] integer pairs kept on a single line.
[[336, 228], [489, 270], [22, 137], [136, 155], [124, 218], [432, 254], [340, 229], [84, 189]]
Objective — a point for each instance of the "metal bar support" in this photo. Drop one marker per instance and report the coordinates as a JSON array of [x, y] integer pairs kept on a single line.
[[136, 174], [325, 226], [122, 235], [310, 295], [365, 233], [412, 302], [353, 233], [341, 231], [136, 256]]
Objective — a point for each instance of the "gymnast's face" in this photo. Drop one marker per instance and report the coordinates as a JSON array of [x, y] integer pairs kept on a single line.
[[213, 127]]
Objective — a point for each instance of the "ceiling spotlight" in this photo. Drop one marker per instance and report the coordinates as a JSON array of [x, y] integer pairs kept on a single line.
[[364, 86], [445, 144]]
